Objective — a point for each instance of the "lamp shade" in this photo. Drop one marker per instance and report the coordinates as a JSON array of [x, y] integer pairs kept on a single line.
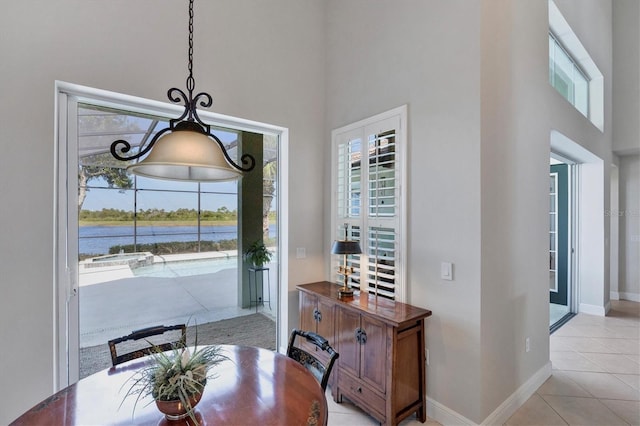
[[186, 155], [346, 247]]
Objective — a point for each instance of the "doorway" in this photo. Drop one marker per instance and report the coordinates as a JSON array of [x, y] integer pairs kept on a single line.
[[134, 252], [559, 244]]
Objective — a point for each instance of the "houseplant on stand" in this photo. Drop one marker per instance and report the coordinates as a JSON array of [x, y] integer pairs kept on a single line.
[[176, 379], [258, 254]]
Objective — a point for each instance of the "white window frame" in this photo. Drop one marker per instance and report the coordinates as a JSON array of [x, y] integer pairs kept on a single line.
[[576, 70], [569, 41], [362, 129], [66, 310]]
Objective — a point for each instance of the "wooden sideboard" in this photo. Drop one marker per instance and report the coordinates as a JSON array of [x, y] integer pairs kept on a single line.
[[381, 367]]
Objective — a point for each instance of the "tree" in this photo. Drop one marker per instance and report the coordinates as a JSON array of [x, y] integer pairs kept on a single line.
[[101, 166], [269, 173], [98, 129]]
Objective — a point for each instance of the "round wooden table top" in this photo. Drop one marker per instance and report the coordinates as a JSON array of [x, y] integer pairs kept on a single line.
[[254, 387]]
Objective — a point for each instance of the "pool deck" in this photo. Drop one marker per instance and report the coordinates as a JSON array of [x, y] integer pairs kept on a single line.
[[114, 302], [98, 275]]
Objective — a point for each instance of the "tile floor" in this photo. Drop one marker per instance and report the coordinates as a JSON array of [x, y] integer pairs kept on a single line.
[[346, 414], [595, 378], [596, 372]]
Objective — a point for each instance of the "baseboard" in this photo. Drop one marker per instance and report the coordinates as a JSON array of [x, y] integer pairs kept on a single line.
[[585, 308], [501, 414], [614, 295], [634, 297], [446, 416]]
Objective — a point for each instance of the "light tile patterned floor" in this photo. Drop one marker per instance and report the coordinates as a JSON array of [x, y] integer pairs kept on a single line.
[[596, 373], [347, 414], [595, 379]]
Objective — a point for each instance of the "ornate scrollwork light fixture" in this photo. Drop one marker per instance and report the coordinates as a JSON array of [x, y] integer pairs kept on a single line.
[[186, 150]]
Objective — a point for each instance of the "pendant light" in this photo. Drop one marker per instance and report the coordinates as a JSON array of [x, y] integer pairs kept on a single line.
[[186, 150]]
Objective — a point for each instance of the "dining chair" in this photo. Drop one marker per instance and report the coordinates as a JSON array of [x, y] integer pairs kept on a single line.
[[320, 370], [156, 338]]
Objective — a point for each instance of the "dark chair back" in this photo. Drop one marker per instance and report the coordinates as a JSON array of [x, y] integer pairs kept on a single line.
[[124, 349], [320, 370]]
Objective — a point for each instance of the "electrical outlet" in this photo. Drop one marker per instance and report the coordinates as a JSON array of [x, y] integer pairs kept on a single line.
[[527, 344], [301, 253]]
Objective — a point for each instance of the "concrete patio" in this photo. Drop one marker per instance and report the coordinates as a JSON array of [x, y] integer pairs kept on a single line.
[[114, 302]]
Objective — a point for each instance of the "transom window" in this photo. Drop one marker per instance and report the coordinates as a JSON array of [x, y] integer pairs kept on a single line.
[[572, 72], [567, 77]]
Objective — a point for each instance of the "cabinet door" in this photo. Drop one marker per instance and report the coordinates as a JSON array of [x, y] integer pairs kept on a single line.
[[348, 347], [325, 321], [308, 305], [373, 357]]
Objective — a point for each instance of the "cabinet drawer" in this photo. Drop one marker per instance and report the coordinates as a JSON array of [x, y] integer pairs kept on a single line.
[[362, 395]]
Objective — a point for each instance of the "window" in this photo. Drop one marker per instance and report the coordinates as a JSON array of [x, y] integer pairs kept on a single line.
[[572, 72], [567, 77], [93, 188], [123, 213], [368, 172]]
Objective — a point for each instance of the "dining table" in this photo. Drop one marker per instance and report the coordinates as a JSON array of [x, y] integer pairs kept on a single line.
[[253, 386]]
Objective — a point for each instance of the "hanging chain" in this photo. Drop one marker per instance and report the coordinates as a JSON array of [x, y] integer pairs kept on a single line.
[[189, 119], [190, 80]]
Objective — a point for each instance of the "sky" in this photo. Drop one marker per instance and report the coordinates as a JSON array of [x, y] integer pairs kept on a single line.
[[99, 128], [150, 197]]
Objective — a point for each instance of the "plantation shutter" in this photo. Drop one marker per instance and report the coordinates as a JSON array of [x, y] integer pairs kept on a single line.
[[349, 198], [367, 178]]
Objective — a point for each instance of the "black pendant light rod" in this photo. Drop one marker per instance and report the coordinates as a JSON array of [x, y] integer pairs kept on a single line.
[[190, 113]]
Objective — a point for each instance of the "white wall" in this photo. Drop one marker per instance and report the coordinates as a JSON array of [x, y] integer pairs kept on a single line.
[[626, 141], [515, 172], [614, 221], [629, 223], [425, 54], [626, 76], [245, 57]]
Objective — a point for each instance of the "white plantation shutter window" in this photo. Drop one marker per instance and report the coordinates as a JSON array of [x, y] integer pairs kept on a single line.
[[381, 276], [367, 177], [382, 174], [349, 177]]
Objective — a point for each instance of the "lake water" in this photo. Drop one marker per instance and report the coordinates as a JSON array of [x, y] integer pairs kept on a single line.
[[98, 239]]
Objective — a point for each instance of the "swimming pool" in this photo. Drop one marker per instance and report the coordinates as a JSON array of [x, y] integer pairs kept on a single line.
[[186, 268], [134, 260]]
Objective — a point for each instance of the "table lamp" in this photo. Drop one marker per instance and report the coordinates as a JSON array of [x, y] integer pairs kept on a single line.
[[345, 247]]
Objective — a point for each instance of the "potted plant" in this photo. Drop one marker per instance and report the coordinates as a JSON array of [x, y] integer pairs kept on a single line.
[[176, 379], [257, 254]]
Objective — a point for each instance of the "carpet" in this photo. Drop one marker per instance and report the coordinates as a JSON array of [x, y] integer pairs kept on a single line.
[[248, 330]]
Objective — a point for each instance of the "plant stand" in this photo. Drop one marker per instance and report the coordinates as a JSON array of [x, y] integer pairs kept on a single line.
[[253, 272]]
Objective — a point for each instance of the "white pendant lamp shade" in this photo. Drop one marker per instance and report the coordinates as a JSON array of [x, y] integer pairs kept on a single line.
[[186, 155]]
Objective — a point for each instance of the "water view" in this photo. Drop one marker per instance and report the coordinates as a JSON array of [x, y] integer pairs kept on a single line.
[[97, 240]]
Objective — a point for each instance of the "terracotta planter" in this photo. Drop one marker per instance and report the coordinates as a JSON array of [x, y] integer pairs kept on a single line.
[[176, 410]]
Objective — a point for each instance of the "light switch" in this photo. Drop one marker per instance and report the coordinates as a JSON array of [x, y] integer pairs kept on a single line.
[[301, 253], [446, 271]]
